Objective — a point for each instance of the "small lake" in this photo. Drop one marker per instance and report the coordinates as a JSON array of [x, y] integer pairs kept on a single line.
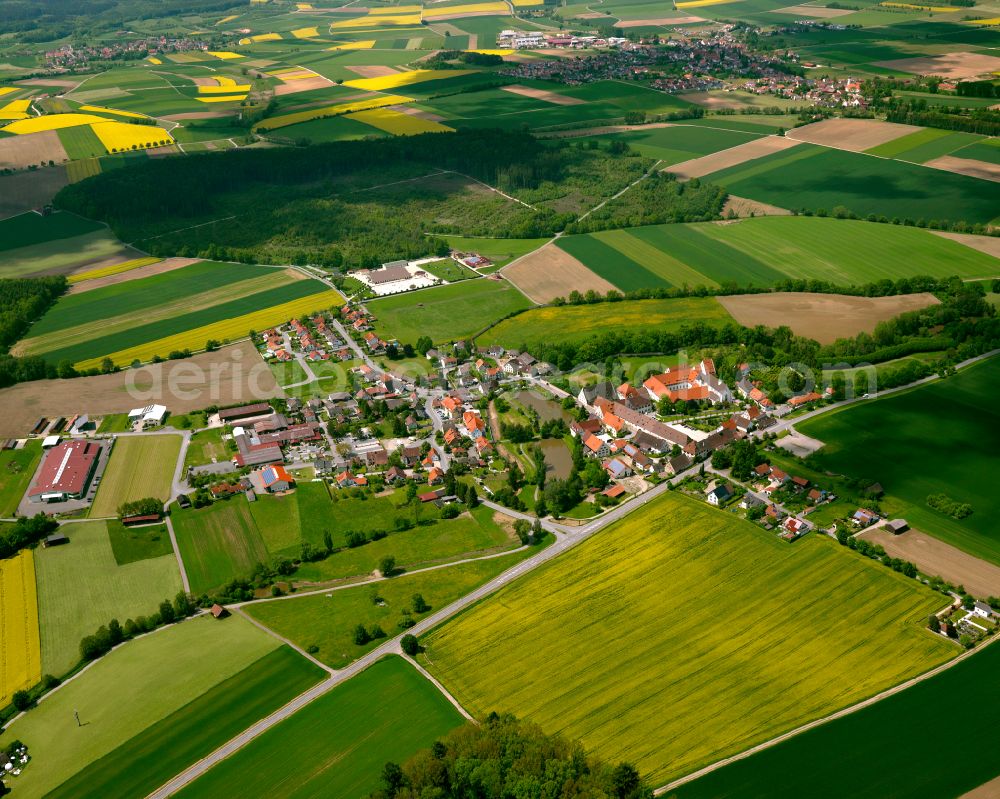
[[557, 456], [546, 409]]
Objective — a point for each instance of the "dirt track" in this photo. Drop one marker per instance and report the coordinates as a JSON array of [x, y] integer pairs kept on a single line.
[[823, 317], [935, 557], [549, 272], [187, 385], [734, 156], [855, 135]]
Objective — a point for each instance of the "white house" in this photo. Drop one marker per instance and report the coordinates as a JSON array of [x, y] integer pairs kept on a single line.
[[150, 416]]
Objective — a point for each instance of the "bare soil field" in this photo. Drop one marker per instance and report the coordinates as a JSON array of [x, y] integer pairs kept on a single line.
[[819, 12], [447, 27], [416, 112], [823, 317], [23, 191], [706, 100], [967, 166], [205, 81], [744, 208], [638, 23], [988, 790], [734, 156], [549, 272], [949, 66], [542, 94], [61, 82], [229, 375], [20, 152], [935, 557], [304, 85], [987, 244], [855, 135], [166, 265], [373, 71]]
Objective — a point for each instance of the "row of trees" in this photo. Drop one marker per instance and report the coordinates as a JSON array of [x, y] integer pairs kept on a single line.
[[24, 533], [113, 633]]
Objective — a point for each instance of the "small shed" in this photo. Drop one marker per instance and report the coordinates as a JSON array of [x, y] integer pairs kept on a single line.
[[50, 441], [56, 539], [897, 526], [218, 611]]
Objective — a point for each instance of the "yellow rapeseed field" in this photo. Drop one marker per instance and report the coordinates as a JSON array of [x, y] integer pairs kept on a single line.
[[154, 60], [52, 122], [398, 123], [229, 98], [8, 89], [305, 33], [121, 136], [15, 109], [367, 44], [20, 649], [230, 18], [224, 55], [918, 7], [404, 79], [466, 9], [492, 52], [375, 21], [991, 21], [105, 271], [232, 329], [330, 111], [100, 109], [522, 3], [304, 6], [266, 37], [230, 89], [700, 3]]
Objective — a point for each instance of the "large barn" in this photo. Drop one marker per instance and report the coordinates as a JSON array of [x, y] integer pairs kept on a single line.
[[66, 471]]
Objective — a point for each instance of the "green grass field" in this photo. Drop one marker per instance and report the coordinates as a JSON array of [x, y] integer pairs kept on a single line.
[[206, 446], [576, 322], [682, 635], [812, 177], [140, 466], [145, 708], [131, 544], [327, 620], [767, 250], [925, 145], [445, 313], [17, 467], [908, 765], [218, 543], [81, 586], [62, 255], [888, 441], [387, 713], [31, 228], [81, 142], [683, 142]]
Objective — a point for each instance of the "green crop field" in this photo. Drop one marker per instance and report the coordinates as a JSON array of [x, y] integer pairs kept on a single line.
[[229, 538], [143, 708], [846, 252], [908, 764], [17, 467], [327, 620], [683, 142], [81, 142], [682, 635], [812, 177], [106, 320], [925, 145], [31, 228], [445, 313], [387, 713], [577, 322], [82, 586], [888, 441], [140, 467]]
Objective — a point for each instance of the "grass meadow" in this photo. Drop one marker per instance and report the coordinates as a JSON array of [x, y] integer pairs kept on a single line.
[[81, 586], [681, 635], [386, 713], [143, 708], [17, 467], [893, 441], [327, 621], [31, 228], [445, 313], [847, 252], [20, 657], [139, 467], [577, 322], [908, 762], [813, 177]]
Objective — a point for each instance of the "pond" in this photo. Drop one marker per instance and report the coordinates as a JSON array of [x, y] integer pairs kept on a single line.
[[557, 456], [546, 409]]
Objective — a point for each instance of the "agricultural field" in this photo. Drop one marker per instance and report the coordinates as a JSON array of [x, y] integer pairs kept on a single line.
[[20, 660], [17, 467], [327, 621], [577, 322], [632, 664], [908, 762], [445, 313], [886, 440], [227, 539], [178, 694], [847, 252], [143, 317], [206, 446], [388, 712], [140, 466], [81, 586]]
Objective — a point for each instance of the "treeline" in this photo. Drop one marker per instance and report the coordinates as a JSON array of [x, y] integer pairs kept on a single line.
[[23, 300], [658, 199], [985, 123], [977, 88], [504, 757], [24, 533], [114, 632], [876, 552]]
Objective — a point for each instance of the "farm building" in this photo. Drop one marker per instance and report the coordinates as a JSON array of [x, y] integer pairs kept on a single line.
[[150, 416], [897, 526], [66, 472], [244, 411], [271, 479]]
